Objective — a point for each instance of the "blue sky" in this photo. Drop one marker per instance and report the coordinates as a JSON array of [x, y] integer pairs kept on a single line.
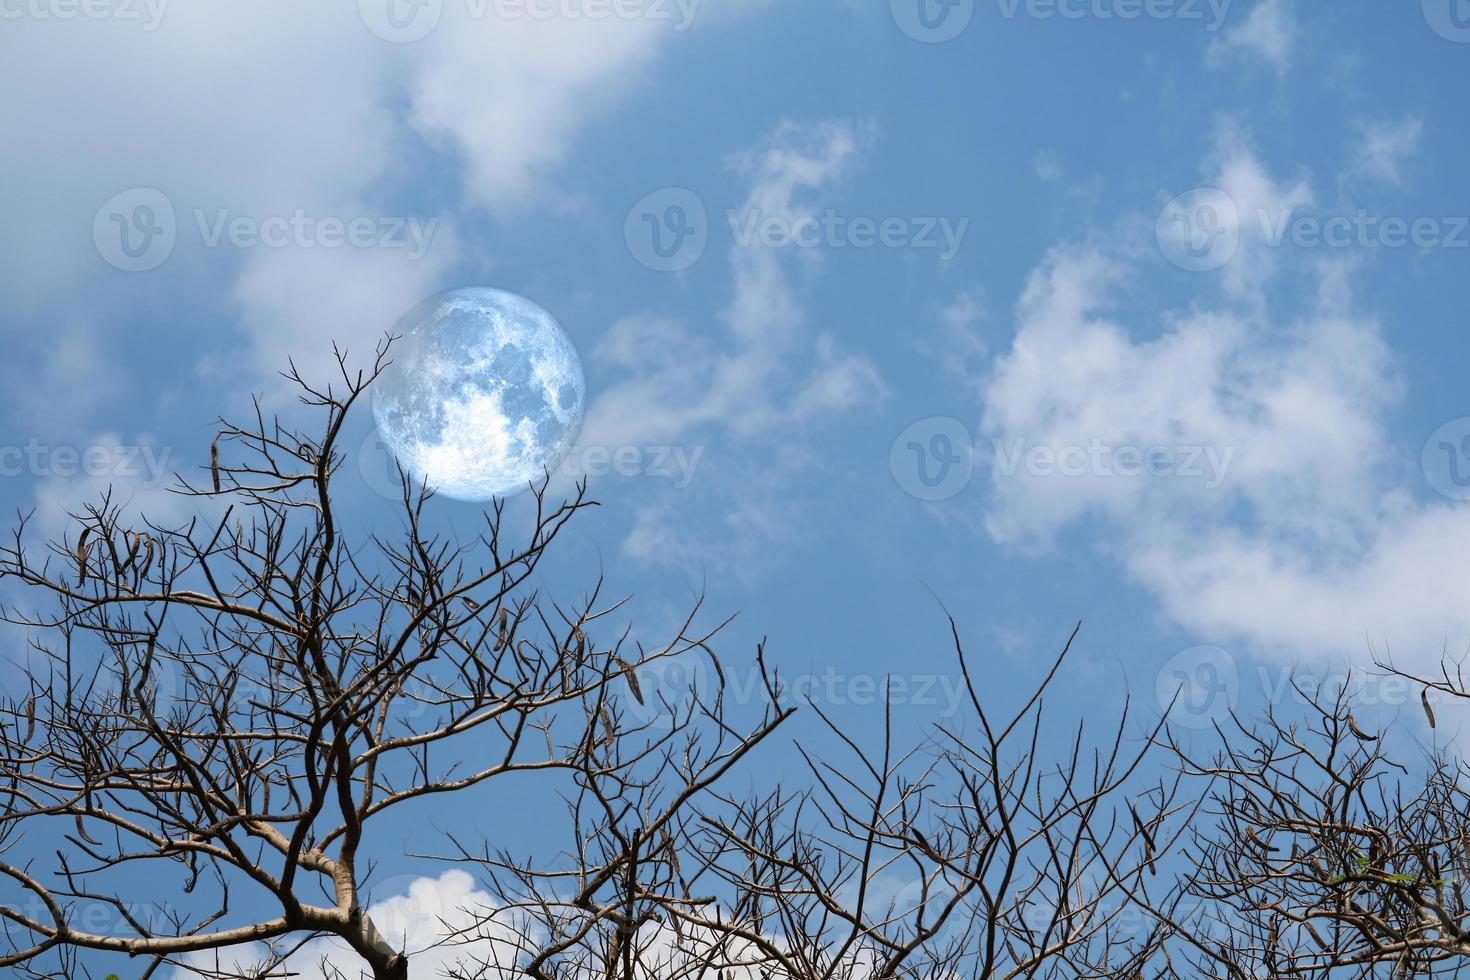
[[1163, 300]]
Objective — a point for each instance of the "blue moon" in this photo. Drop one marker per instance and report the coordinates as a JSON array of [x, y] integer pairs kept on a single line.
[[485, 394]]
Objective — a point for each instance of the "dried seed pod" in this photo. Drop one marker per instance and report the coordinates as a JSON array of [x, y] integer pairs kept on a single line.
[[30, 718], [214, 463], [135, 544], [1353, 725], [1148, 839], [609, 731], [150, 551], [671, 850], [469, 603], [1428, 711], [631, 676], [84, 548], [82, 832]]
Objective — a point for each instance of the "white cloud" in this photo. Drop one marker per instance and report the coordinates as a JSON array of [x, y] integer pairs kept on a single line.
[[1271, 516], [1268, 34], [1401, 590], [787, 171], [734, 538], [839, 382], [1385, 147], [266, 109], [296, 302], [446, 923], [1048, 167], [1263, 205], [676, 381], [137, 473], [957, 346], [509, 94], [290, 116], [416, 917], [56, 380], [771, 370]]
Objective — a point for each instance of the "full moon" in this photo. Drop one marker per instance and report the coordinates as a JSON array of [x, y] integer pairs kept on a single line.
[[484, 394]]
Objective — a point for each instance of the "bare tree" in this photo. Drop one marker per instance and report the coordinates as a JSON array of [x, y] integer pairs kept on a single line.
[[1322, 856], [235, 701], [968, 855], [215, 714], [613, 904], [1012, 863]]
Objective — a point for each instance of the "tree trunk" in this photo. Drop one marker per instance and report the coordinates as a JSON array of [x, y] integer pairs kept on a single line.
[[394, 968]]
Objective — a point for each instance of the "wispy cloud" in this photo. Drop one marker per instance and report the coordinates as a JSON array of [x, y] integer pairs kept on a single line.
[[743, 381], [770, 368], [1267, 36], [1385, 147]]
